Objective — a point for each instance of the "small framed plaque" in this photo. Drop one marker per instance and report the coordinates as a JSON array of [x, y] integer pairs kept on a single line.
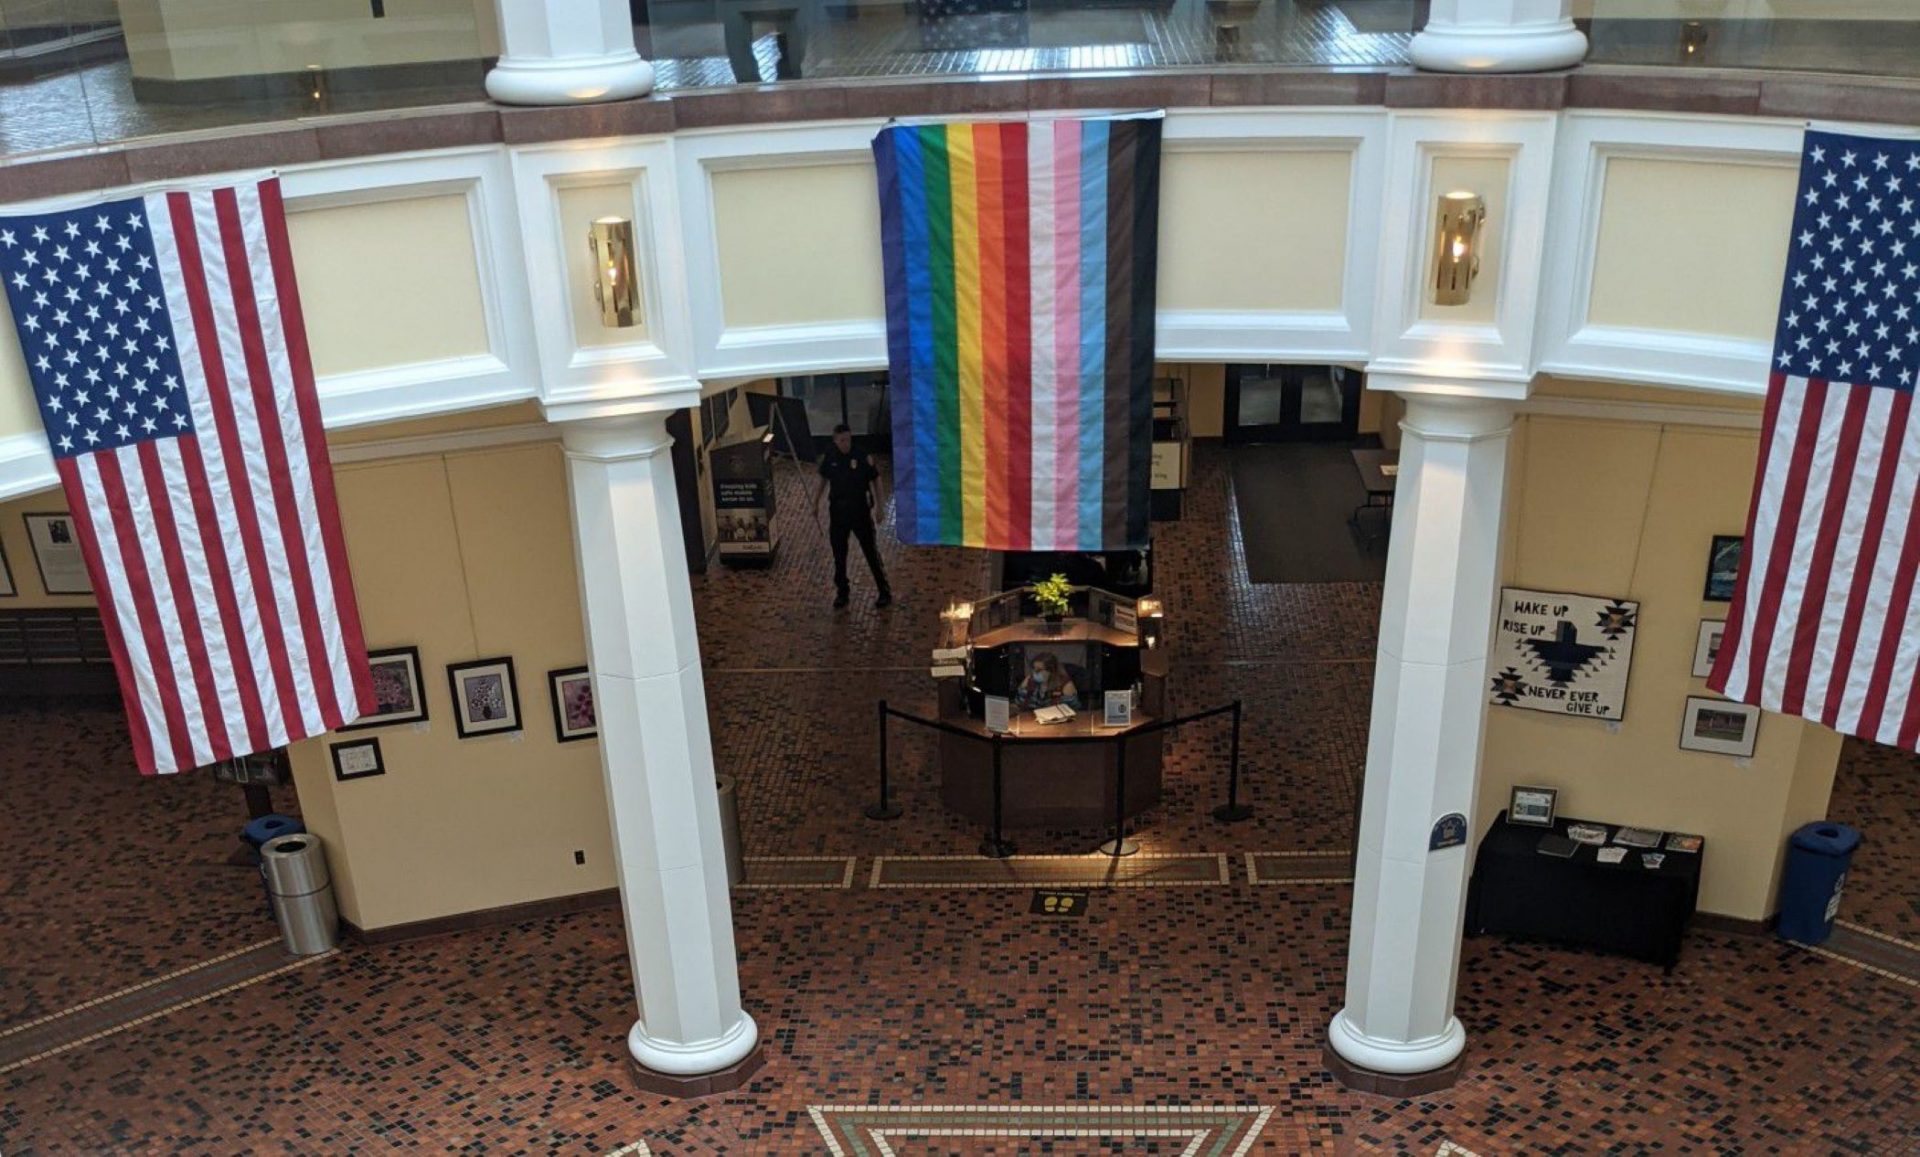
[[56, 548], [1707, 647], [1119, 709], [1532, 806], [1720, 726], [997, 709], [357, 759]]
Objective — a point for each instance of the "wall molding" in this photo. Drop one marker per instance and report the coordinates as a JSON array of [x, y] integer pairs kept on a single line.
[[1570, 344], [1655, 413], [506, 369], [1423, 346], [26, 465], [486, 438]]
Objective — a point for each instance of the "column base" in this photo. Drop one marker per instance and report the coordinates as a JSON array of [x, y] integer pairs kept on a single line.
[[569, 80], [1478, 48], [675, 1070], [1399, 1086], [1393, 1060], [700, 1084]]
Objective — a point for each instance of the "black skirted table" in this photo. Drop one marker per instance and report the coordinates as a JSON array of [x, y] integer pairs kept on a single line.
[[1626, 908]]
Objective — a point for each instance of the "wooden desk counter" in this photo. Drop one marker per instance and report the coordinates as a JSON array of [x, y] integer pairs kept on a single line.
[[1067, 783]]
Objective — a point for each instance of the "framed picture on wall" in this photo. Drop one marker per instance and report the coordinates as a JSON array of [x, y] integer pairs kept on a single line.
[[1720, 726], [398, 695], [485, 699], [573, 717], [1723, 567], [1707, 647], [7, 589], [356, 759], [56, 549], [1532, 806]]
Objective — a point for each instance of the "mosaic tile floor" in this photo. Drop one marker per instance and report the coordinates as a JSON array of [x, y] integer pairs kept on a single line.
[[1204, 997], [1877, 790]]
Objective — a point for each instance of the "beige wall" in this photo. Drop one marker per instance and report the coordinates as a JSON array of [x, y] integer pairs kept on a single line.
[[198, 39], [799, 245], [1629, 509], [1691, 246], [425, 303], [1253, 230], [18, 415], [465, 556], [29, 594]]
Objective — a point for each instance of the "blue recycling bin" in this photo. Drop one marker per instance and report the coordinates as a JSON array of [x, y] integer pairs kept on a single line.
[[268, 827], [258, 832], [1818, 857]]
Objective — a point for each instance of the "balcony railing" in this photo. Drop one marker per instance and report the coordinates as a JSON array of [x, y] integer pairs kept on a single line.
[[81, 73]]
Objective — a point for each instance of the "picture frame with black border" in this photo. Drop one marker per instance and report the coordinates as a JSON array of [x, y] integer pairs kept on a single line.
[[398, 687], [1719, 726], [56, 553], [1706, 647], [7, 589], [356, 759], [1532, 807], [574, 715], [1723, 567], [486, 698]]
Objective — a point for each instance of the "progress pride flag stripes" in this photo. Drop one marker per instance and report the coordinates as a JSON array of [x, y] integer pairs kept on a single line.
[[164, 339], [1824, 622], [1020, 263]]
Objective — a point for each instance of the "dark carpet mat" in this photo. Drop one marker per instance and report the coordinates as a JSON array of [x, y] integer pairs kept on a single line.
[[1294, 501]]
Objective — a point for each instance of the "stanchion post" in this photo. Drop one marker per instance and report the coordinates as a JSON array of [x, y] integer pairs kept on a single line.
[[994, 846], [1120, 845], [1233, 811], [885, 809]]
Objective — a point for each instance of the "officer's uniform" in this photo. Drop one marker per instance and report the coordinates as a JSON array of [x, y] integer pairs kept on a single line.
[[850, 479]]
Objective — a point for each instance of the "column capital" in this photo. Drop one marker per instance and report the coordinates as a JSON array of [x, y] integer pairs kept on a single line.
[[1452, 418], [617, 438], [1499, 36]]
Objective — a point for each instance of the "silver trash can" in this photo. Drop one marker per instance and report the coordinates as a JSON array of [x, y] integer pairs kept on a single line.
[[295, 866], [730, 833]]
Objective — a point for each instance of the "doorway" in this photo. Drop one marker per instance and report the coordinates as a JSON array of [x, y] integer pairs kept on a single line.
[[857, 400], [1283, 403]]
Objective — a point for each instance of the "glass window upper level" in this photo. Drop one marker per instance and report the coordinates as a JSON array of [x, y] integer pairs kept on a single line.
[[80, 73]]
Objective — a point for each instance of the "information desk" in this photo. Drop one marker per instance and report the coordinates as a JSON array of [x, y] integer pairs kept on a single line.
[[1625, 908], [1055, 775], [999, 654]]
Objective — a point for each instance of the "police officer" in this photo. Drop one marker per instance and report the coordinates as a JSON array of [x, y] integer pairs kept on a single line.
[[847, 482]]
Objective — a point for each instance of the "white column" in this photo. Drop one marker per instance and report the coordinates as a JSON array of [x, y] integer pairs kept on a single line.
[[567, 52], [655, 747], [1499, 36], [1423, 747]]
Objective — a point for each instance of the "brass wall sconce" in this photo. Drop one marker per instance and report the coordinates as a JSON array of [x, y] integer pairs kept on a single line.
[[1457, 247], [1693, 42], [614, 281]]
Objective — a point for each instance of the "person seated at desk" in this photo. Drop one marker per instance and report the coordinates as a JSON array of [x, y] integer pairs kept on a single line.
[[1046, 684]]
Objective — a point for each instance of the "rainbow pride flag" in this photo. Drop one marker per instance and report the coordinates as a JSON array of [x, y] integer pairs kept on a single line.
[[1020, 280]]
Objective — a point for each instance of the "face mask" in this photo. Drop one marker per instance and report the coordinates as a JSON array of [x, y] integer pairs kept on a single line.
[[1040, 677]]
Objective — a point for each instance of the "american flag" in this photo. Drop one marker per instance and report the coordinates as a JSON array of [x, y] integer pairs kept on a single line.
[[1824, 623], [163, 338]]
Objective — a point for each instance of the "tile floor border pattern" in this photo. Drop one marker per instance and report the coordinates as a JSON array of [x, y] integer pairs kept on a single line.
[[1863, 948], [1335, 867], [1237, 1125], [55, 1049], [1091, 869], [836, 872], [133, 988], [639, 1149]]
